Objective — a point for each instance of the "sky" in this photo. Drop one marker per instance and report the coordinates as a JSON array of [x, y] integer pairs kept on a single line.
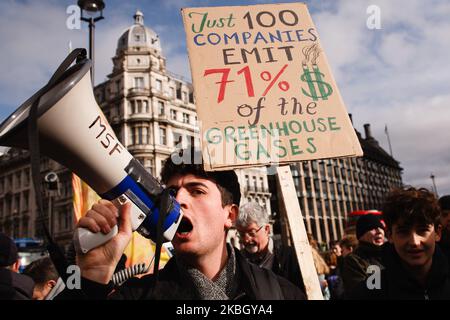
[[396, 74]]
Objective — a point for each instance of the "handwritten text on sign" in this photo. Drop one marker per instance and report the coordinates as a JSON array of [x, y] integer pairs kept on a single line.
[[264, 90]]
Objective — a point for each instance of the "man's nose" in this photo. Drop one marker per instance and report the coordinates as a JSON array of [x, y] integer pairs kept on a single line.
[[246, 238], [182, 198], [414, 239]]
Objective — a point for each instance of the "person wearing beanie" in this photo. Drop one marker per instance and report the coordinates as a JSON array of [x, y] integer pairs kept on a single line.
[[370, 234], [13, 286]]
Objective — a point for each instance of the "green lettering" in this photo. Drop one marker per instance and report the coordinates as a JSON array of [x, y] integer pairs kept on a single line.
[[228, 137], [295, 147], [242, 133], [313, 123], [322, 127], [332, 123], [236, 151], [293, 124], [261, 149], [277, 143], [310, 142], [253, 132], [282, 130], [215, 138], [202, 24]]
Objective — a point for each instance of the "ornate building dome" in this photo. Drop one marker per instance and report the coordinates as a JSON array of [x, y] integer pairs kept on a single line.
[[138, 36]]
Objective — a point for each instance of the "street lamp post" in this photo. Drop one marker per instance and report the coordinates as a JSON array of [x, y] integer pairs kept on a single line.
[[52, 183], [434, 184], [91, 7]]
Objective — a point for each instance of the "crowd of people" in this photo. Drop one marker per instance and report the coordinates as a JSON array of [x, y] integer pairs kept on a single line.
[[403, 254]]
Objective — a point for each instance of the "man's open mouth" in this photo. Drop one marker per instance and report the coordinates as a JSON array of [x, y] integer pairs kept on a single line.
[[185, 227]]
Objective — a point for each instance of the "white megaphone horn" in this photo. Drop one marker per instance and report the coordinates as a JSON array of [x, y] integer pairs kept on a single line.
[[74, 132]]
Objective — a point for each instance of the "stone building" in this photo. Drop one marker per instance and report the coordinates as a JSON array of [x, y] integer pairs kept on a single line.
[[151, 110]]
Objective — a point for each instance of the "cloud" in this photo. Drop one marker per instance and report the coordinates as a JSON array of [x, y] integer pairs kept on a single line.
[[397, 75]]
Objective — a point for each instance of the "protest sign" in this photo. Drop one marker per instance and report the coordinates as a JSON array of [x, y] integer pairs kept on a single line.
[[263, 87]]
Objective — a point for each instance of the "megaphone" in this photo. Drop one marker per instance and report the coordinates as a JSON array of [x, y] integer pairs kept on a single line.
[[74, 132]]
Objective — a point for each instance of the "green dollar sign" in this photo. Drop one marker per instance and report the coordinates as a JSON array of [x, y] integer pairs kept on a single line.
[[325, 89]]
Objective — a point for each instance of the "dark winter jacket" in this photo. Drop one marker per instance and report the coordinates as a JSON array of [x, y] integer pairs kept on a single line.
[[354, 266], [15, 286], [253, 283], [283, 262], [445, 249], [397, 283]]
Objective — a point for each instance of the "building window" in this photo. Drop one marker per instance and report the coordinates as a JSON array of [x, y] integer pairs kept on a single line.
[[173, 114], [139, 82], [139, 106], [16, 206], [161, 108], [137, 37], [158, 85], [140, 135], [17, 180], [25, 201], [261, 182], [145, 102], [162, 136], [185, 97], [25, 228], [2, 185], [26, 177], [185, 118]]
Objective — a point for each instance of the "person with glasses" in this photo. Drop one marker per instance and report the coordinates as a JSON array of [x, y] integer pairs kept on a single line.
[[258, 247]]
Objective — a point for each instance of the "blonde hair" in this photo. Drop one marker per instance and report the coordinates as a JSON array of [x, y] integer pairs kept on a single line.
[[319, 263]]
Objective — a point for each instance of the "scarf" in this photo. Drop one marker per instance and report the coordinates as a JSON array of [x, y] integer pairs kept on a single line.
[[205, 289]]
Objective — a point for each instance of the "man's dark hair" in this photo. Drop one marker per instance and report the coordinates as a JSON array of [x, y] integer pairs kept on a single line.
[[349, 242], [226, 181], [444, 202], [41, 271], [411, 206]]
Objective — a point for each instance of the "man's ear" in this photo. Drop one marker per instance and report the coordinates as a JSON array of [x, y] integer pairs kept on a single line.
[[51, 283], [233, 211], [267, 229], [16, 266]]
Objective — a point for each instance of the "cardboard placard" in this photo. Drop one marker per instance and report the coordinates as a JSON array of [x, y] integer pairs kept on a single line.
[[263, 87]]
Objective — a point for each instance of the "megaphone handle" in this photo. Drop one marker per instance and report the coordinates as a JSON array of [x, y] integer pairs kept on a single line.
[[85, 240]]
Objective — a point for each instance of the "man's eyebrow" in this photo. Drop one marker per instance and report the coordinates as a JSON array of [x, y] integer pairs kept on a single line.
[[195, 184]]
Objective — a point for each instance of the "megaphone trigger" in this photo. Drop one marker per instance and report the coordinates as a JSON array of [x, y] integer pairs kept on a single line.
[[85, 240]]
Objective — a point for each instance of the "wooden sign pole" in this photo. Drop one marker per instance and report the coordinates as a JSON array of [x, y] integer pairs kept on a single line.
[[292, 211]]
